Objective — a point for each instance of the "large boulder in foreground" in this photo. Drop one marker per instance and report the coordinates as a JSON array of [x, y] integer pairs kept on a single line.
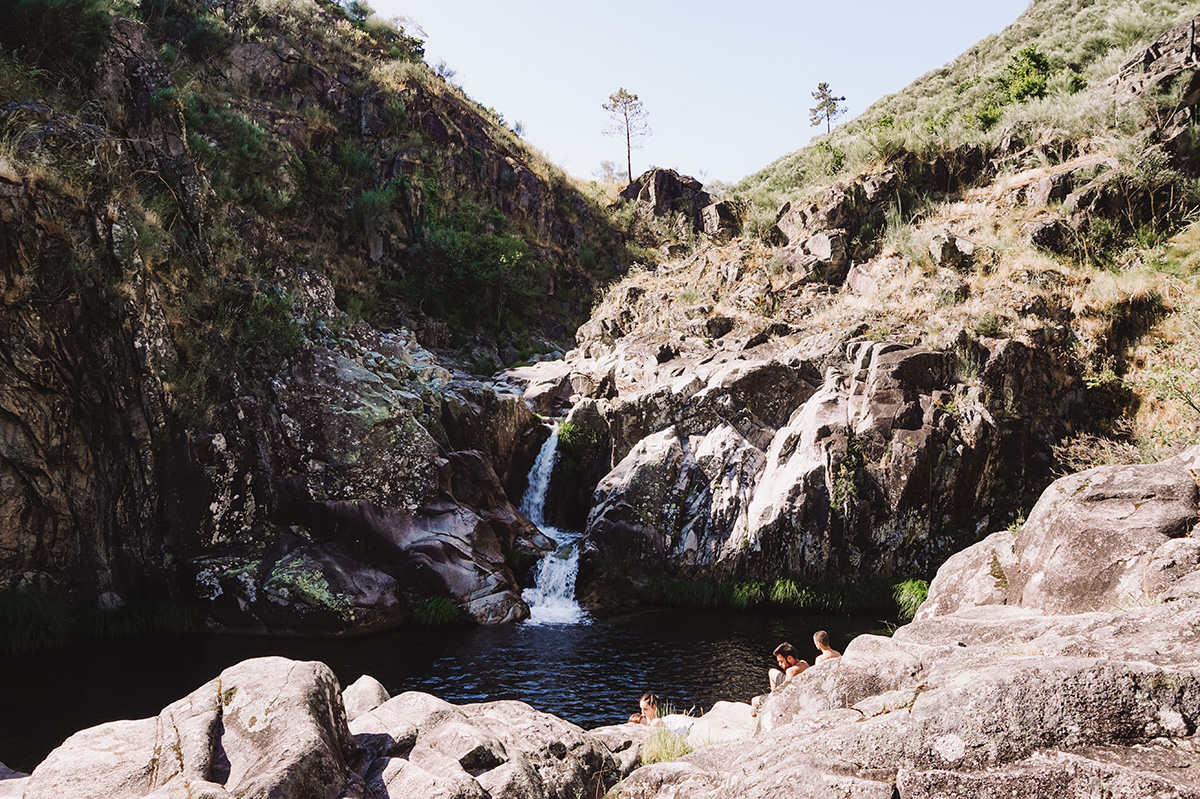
[[273, 727], [266, 727], [1082, 682], [1110, 537]]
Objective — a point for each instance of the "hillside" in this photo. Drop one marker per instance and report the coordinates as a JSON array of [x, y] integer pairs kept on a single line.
[[251, 253], [903, 355], [980, 96]]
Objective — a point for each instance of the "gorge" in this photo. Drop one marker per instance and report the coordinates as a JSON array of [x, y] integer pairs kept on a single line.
[[290, 323]]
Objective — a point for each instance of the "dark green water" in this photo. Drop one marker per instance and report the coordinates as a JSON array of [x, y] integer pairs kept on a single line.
[[590, 674]]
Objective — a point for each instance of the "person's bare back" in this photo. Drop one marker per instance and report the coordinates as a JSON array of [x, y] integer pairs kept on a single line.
[[821, 639]]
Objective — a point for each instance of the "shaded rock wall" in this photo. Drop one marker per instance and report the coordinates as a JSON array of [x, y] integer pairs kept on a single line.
[[330, 486]]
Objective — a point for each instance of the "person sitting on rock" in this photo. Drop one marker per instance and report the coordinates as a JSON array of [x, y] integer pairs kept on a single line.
[[649, 705], [821, 639], [790, 664]]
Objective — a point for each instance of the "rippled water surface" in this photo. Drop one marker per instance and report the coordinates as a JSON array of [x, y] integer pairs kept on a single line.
[[589, 673]]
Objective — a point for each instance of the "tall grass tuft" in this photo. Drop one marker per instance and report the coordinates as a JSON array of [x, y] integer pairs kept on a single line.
[[662, 746], [437, 611], [787, 593], [137, 618], [909, 595], [30, 621]]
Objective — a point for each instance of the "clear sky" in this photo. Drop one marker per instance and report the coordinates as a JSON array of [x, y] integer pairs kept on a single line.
[[727, 83]]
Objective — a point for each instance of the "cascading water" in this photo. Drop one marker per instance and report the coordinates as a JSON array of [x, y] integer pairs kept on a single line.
[[552, 599]]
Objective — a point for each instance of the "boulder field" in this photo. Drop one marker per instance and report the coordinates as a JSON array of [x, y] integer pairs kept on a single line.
[[1059, 660]]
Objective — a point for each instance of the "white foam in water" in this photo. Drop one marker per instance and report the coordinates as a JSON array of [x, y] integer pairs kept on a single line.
[[552, 599]]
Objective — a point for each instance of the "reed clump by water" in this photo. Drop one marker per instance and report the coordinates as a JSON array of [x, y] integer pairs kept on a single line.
[[437, 611], [31, 621], [895, 599]]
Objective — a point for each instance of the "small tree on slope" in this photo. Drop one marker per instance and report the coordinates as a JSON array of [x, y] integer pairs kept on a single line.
[[629, 119], [827, 108]]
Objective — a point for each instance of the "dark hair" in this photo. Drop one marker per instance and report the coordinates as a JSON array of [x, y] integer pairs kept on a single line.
[[821, 637], [650, 697], [787, 650]]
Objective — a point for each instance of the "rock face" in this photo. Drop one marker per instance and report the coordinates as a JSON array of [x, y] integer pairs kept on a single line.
[[1007, 684], [267, 727], [678, 203], [326, 486], [276, 727], [829, 457]]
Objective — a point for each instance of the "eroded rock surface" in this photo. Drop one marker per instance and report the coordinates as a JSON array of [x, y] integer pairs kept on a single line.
[[276, 727], [831, 456], [1075, 689]]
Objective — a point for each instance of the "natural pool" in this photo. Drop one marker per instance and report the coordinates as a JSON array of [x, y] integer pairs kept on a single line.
[[590, 673]]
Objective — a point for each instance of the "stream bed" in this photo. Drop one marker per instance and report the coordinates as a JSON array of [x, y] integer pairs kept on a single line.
[[590, 673]]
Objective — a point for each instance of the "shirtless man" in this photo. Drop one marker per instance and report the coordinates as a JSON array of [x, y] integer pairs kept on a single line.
[[789, 662], [821, 639], [649, 705]]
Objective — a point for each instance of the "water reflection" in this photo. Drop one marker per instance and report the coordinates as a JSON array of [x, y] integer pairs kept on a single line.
[[590, 674]]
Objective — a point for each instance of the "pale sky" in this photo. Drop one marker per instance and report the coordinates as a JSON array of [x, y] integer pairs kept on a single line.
[[727, 84]]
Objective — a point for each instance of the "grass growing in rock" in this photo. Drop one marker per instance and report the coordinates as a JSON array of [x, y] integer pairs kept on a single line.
[[664, 745], [436, 612], [909, 595]]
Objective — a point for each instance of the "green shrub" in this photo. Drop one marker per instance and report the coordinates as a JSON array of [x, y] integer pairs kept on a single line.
[[987, 325], [56, 35], [474, 279], [909, 595], [369, 206], [436, 611], [235, 149]]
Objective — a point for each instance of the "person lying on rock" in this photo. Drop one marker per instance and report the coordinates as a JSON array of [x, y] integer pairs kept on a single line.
[[821, 639], [790, 665]]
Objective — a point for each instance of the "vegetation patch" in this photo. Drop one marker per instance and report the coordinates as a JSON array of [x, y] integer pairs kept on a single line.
[[783, 593], [33, 622], [663, 745], [909, 595], [436, 611]]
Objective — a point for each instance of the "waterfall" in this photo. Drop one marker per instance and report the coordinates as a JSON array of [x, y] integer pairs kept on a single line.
[[552, 599]]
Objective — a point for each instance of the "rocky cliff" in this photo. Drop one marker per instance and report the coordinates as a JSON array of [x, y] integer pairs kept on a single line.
[[858, 395], [1055, 659], [247, 254]]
